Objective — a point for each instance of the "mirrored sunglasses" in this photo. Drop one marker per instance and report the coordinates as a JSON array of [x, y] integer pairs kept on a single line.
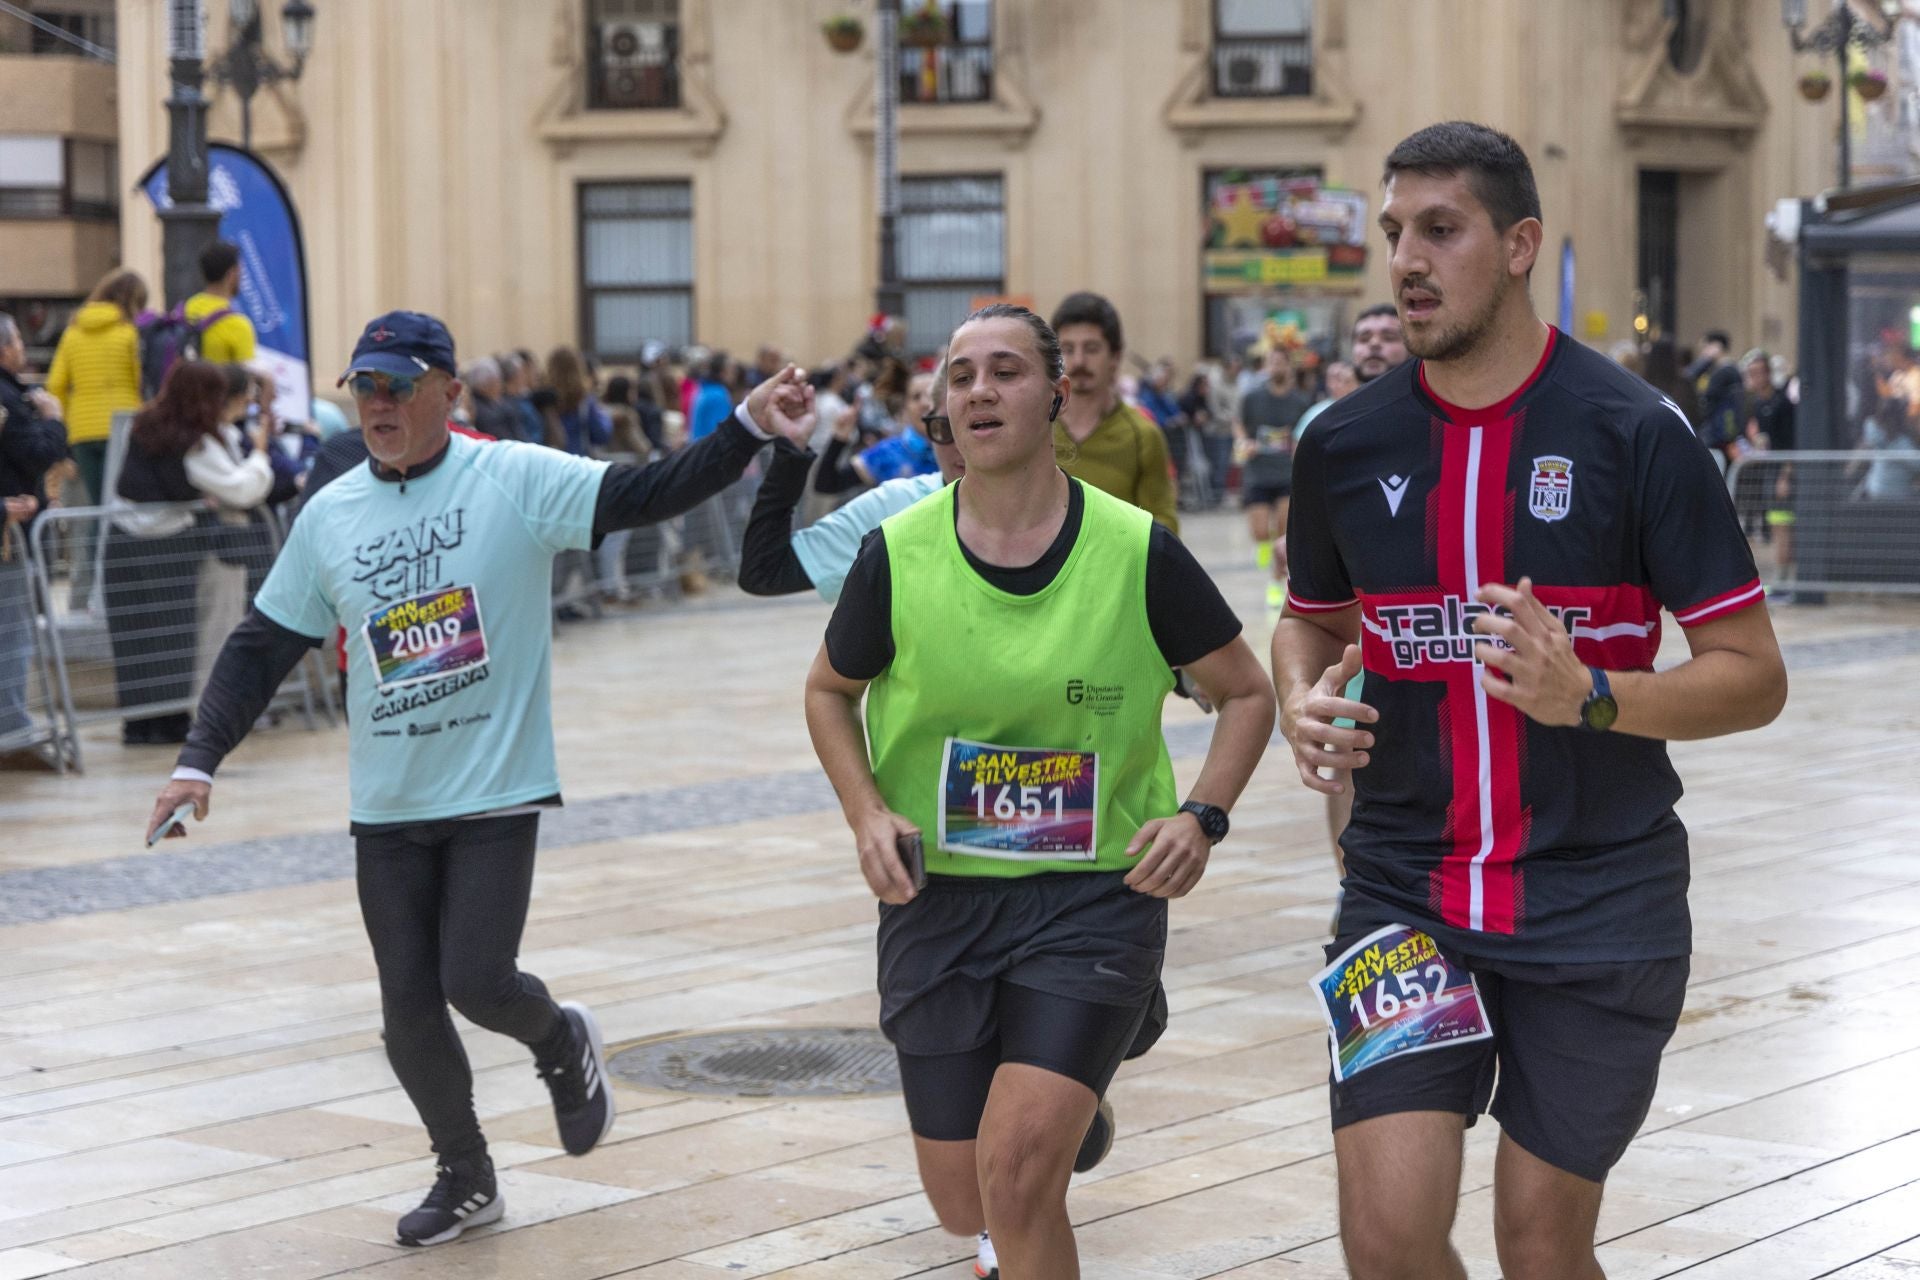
[[367, 385]]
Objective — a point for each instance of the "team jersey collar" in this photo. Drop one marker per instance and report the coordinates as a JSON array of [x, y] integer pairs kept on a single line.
[[383, 472], [1494, 412]]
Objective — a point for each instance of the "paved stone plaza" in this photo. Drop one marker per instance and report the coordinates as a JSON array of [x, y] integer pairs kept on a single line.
[[192, 1084]]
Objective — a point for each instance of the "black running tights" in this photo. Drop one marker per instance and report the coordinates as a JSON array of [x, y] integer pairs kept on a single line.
[[444, 904]]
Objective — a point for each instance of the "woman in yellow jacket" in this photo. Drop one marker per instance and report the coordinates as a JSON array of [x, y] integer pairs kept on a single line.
[[96, 374], [96, 370]]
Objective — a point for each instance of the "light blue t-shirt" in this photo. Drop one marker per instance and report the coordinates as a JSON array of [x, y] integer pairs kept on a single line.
[[1313, 411], [444, 588], [827, 547]]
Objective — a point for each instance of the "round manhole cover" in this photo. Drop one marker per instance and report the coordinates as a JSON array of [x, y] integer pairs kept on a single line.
[[771, 1062]]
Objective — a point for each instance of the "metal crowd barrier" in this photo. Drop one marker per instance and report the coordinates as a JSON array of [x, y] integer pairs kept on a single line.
[[656, 560], [139, 647], [1847, 520], [30, 707]]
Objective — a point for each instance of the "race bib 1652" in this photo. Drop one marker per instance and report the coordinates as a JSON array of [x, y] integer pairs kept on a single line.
[[1391, 993]]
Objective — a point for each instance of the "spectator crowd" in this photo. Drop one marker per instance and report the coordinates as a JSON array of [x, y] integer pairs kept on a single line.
[[204, 436]]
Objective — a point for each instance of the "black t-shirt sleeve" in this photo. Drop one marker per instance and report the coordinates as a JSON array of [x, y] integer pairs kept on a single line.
[[860, 633], [339, 454], [1188, 615], [1317, 576], [1696, 558], [768, 565]]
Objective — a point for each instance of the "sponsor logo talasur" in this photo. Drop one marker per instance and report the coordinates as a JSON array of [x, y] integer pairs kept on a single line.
[[1101, 699], [1443, 631]]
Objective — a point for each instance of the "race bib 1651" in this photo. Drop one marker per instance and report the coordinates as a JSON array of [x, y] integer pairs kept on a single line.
[[1023, 803]]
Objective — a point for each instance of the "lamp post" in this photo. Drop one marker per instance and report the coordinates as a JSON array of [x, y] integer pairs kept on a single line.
[[246, 66], [886, 151], [1841, 29], [188, 223]]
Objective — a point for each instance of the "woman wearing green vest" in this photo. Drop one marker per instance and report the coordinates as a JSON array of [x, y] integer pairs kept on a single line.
[[1014, 636]]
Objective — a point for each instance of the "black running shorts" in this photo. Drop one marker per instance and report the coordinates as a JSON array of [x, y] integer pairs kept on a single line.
[[1254, 494], [1575, 1048], [1059, 970]]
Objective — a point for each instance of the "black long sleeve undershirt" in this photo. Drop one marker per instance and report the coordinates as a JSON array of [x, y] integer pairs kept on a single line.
[[631, 496], [258, 655], [768, 565], [836, 474]]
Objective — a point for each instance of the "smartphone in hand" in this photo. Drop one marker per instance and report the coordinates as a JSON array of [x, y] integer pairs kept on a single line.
[[179, 819], [913, 855]]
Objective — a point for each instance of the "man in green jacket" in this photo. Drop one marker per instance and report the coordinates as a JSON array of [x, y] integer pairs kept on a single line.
[[1098, 437]]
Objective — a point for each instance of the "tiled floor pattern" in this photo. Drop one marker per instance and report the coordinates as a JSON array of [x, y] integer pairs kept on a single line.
[[196, 1088]]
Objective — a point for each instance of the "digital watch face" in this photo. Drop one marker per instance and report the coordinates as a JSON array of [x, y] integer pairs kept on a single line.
[[1601, 713]]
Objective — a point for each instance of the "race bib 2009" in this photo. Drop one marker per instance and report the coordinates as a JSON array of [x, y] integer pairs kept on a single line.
[[427, 636], [1023, 803], [1393, 993]]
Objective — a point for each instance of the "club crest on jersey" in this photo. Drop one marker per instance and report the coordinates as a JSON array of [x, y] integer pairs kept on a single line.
[[1550, 496]]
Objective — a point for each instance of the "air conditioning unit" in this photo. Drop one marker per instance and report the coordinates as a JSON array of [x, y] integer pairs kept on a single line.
[[634, 63]]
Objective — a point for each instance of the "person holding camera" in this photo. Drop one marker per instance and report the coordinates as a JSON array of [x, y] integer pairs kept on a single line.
[[1010, 791]]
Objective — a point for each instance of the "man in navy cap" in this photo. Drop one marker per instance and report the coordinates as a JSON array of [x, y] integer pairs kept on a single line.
[[436, 556]]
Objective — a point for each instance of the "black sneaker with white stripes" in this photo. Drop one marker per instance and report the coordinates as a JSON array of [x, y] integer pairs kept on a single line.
[[582, 1103], [465, 1195]]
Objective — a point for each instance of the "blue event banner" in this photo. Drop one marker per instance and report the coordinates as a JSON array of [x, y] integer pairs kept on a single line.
[[257, 214]]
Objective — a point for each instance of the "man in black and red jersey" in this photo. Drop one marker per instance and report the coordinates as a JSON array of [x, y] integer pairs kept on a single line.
[[1498, 524]]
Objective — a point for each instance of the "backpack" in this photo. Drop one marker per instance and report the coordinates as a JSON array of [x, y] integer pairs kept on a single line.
[[167, 339]]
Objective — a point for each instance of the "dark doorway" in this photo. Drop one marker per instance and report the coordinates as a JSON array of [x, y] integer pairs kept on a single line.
[[1659, 226]]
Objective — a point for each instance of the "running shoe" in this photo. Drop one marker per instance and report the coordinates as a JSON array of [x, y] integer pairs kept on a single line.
[[582, 1103], [1276, 597], [465, 1195], [986, 1264], [1099, 1139]]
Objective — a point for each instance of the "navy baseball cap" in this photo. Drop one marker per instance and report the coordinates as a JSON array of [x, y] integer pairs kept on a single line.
[[402, 342]]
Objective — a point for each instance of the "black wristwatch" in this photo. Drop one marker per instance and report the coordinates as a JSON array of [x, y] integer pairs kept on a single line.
[[1599, 711], [1212, 819]]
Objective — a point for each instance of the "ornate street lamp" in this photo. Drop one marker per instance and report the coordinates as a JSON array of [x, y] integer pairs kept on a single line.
[[246, 66], [188, 223], [1840, 30]]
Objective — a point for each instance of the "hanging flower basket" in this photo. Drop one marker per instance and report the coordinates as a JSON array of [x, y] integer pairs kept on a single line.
[[844, 34], [1868, 84], [923, 28], [1814, 85]]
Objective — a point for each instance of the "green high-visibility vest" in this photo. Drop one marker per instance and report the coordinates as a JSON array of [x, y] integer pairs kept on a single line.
[[1073, 668]]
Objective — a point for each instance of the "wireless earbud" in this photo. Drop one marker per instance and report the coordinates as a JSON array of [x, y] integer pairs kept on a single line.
[[1054, 412]]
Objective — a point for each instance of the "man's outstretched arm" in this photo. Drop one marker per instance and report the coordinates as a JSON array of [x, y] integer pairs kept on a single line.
[[630, 496], [256, 658]]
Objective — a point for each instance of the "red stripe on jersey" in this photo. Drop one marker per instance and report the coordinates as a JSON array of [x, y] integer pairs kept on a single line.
[[1452, 878], [1721, 605], [1299, 605], [1495, 902], [1614, 628], [1475, 884]]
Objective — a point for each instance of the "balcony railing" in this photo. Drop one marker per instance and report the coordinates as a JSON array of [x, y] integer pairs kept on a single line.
[[626, 73], [1263, 66], [947, 73]]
